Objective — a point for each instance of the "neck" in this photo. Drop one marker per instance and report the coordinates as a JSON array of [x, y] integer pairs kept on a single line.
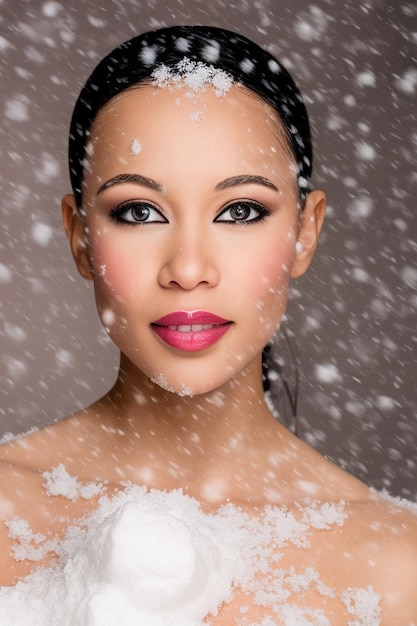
[[140, 403], [207, 444]]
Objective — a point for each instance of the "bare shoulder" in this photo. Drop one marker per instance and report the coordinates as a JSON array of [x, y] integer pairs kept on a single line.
[[382, 535], [25, 504], [360, 563], [377, 547], [20, 495], [39, 449], [384, 518]]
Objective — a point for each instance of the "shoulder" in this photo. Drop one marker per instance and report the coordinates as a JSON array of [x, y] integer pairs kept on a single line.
[[357, 560], [18, 493], [383, 535], [41, 448], [33, 516], [383, 518], [23, 461]]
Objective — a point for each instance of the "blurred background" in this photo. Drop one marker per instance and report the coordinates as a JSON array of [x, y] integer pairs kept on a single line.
[[352, 317]]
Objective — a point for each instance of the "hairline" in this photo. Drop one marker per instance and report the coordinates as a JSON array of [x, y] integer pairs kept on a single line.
[[147, 81]]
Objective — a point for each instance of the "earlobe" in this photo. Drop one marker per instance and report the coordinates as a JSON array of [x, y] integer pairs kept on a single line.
[[75, 228], [311, 223]]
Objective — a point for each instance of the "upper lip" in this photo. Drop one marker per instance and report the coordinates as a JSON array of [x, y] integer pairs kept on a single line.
[[179, 318]]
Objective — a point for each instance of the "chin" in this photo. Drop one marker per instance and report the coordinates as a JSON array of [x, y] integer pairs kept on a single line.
[[183, 390], [188, 386]]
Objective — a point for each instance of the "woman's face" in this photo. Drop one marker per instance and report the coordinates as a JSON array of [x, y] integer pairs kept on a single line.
[[190, 205]]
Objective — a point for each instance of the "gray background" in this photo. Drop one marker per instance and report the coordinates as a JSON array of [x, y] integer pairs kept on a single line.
[[354, 314]]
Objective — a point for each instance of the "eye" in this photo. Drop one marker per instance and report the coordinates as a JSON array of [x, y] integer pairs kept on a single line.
[[243, 212], [134, 212]]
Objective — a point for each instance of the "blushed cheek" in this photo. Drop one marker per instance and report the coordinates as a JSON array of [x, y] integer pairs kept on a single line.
[[115, 282], [271, 283], [111, 259]]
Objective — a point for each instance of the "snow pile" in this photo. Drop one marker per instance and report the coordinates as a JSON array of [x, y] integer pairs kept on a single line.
[[195, 75], [155, 558], [141, 557]]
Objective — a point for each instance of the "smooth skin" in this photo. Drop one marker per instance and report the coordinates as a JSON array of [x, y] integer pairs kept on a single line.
[[198, 177]]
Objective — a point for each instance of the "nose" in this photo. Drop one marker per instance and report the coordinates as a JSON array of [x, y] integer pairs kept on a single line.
[[189, 262]]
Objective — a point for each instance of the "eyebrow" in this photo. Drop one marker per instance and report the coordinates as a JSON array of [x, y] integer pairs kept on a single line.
[[233, 181], [132, 178], [245, 179]]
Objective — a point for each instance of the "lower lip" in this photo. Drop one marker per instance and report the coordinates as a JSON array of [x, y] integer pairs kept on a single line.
[[191, 341]]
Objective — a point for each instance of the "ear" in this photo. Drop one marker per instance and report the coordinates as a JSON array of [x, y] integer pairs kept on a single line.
[[75, 228], [311, 222]]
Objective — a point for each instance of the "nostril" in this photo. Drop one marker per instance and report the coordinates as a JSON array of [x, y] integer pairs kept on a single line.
[[187, 270]]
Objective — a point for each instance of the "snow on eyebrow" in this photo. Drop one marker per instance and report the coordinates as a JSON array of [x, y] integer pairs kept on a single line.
[[195, 75]]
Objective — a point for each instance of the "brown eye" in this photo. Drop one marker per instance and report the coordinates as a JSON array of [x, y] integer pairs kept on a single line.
[[243, 212]]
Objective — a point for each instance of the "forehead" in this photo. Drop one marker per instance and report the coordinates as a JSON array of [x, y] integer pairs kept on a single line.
[[164, 130], [169, 105]]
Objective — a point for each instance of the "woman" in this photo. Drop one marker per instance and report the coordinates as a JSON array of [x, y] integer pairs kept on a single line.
[[191, 210]]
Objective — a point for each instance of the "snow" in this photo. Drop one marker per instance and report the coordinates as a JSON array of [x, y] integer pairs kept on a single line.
[[41, 234], [155, 557], [365, 151], [5, 273], [95, 21], [327, 372], [59, 483], [183, 44], [366, 79], [367, 327], [211, 52], [195, 116], [51, 8], [162, 382], [4, 44], [361, 207], [407, 83], [312, 25], [409, 276], [107, 316], [135, 146], [64, 358], [14, 332], [195, 75], [48, 169], [16, 108], [247, 66], [148, 55], [273, 66], [16, 368], [364, 605]]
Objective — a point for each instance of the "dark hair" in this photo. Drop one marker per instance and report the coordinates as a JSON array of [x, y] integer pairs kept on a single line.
[[135, 60]]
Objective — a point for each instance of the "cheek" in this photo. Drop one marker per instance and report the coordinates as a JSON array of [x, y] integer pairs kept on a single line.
[[270, 268], [119, 274], [268, 282]]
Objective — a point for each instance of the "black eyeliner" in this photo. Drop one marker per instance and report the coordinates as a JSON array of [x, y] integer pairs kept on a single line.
[[257, 206], [116, 213]]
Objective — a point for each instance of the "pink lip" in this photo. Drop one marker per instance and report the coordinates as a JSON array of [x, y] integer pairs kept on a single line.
[[191, 340]]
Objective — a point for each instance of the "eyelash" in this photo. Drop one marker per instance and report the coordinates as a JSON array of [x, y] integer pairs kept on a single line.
[[117, 213], [250, 206], [261, 210]]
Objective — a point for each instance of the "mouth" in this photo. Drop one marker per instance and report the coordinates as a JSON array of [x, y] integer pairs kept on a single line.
[[192, 328], [191, 331]]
